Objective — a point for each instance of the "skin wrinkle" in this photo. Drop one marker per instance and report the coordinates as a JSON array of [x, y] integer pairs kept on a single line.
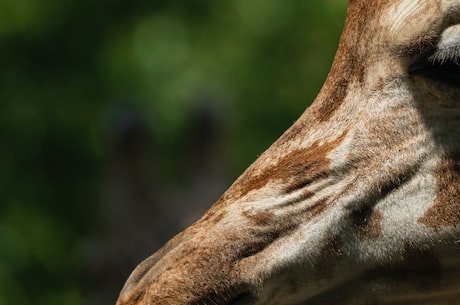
[[302, 197]]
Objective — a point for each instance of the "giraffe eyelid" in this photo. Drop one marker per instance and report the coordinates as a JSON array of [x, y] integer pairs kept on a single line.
[[429, 42], [445, 54], [442, 63], [424, 45], [448, 47]]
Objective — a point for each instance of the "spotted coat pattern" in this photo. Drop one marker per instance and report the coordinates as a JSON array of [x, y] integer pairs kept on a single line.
[[359, 201]]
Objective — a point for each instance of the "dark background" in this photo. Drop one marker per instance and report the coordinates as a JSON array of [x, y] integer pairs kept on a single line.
[[122, 121]]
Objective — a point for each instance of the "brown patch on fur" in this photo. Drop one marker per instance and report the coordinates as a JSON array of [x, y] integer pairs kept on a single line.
[[318, 207], [445, 210], [352, 56], [260, 218], [263, 238], [333, 101], [215, 213], [296, 169], [328, 259], [367, 224], [219, 217]]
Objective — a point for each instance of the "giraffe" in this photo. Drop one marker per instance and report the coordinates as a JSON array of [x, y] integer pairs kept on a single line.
[[358, 202]]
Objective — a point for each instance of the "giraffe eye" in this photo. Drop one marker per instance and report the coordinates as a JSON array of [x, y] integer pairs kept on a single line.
[[442, 63]]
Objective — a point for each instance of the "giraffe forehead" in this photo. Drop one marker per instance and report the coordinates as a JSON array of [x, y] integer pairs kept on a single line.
[[407, 19]]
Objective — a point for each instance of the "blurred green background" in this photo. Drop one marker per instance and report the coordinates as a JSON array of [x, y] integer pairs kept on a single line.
[[122, 121]]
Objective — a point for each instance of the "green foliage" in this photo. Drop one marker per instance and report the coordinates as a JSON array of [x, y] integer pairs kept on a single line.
[[67, 65]]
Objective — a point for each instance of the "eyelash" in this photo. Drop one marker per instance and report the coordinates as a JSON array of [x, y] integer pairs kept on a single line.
[[442, 65], [446, 54]]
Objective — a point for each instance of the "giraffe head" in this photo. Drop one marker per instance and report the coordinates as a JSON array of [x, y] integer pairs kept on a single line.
[[359, 201]]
